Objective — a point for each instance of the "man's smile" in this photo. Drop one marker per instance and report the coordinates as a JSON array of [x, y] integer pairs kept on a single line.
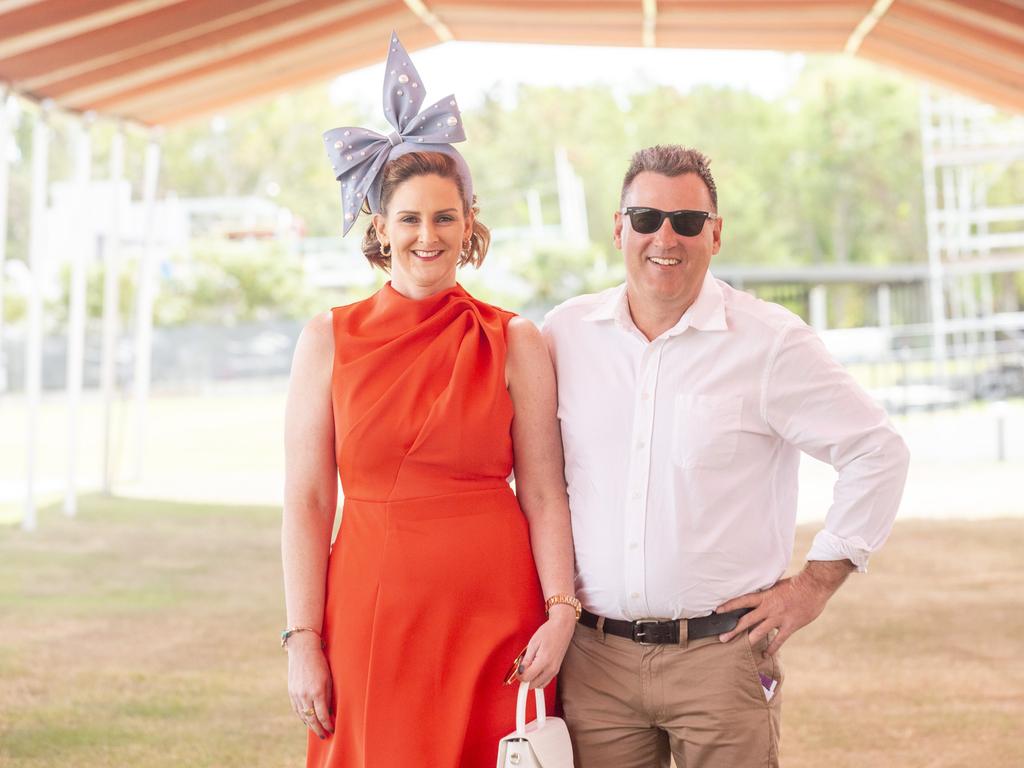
[[664, 262]]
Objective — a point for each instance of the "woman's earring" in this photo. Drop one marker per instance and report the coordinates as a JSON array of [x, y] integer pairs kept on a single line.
[[465, 251], [386, 254]]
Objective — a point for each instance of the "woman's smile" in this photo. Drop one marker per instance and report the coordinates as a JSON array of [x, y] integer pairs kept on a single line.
[[428, 255]]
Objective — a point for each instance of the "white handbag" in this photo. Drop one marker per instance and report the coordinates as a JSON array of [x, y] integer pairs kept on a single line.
[[544, 743]]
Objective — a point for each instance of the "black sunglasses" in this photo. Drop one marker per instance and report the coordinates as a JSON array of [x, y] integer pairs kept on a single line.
[[649, 220]]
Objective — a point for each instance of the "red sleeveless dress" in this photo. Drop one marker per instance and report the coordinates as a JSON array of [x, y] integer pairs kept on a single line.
[[432, 589]]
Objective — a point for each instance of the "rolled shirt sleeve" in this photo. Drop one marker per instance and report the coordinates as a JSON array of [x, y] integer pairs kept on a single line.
[[811, 401]]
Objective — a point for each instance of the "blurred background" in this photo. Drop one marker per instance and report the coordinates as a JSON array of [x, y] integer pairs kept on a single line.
[[169, 221]]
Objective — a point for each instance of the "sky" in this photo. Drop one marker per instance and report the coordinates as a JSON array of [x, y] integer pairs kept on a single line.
[[472, 70]]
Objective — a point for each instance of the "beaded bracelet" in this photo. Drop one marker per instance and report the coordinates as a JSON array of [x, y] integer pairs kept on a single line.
[[293, 630]]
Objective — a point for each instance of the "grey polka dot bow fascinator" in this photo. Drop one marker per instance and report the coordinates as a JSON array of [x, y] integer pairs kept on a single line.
[[358, 155]]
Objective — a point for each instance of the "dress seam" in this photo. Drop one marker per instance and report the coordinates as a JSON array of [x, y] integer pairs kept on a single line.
[[500, 485]]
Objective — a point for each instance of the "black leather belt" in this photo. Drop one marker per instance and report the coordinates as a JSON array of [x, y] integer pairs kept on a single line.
[[654, 632]]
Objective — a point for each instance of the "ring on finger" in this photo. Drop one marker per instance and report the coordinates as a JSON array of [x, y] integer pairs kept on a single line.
[[308, 712]]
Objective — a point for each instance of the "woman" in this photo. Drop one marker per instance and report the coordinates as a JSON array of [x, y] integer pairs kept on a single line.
[[423, 399]]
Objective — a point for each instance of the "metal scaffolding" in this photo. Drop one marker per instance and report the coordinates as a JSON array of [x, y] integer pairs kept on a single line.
[[967, 148]]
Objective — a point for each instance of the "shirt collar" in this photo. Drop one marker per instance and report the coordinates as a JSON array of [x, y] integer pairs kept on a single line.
[[707, 313], [613, 306]]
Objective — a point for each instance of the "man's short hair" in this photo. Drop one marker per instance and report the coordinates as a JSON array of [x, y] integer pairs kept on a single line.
[[671, 160]]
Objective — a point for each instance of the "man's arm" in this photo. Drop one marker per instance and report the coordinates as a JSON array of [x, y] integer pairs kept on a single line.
[[813, 403]]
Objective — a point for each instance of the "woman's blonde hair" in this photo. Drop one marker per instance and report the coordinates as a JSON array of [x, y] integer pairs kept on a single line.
[[409, 166]]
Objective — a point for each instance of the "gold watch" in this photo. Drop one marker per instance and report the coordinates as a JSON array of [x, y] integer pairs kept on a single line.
[[563, 600]]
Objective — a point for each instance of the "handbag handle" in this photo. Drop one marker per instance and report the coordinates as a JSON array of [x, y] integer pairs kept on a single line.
[[524, 690]]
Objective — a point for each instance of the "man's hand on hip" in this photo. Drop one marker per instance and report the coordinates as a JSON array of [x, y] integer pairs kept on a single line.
[[788, 605]]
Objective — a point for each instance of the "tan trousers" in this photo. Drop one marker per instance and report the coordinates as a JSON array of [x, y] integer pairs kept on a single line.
[[702, 703]]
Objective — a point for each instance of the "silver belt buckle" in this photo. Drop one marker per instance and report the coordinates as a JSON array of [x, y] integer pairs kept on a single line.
[[638, 633]]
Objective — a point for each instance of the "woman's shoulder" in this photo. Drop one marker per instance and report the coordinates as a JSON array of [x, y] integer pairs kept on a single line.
[[524, 339], [528, 362], [522, 328], [317, 335], [320, 326]]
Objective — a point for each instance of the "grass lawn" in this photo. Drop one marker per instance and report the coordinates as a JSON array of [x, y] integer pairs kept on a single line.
[[145, 634]]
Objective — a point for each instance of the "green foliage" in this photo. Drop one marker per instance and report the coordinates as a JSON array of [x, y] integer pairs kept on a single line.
[[829, 172], [512, 150], [218, 282], [539, 278], [226, 283], [58, 308], [270, 149], [15, 306], [857, 164], [560, 273]]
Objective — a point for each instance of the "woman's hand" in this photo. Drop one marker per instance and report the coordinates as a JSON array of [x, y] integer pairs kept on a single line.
[[309, 683], [547, 647]]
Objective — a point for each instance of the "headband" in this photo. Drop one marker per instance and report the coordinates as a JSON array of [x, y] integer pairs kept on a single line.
[[358, 155]]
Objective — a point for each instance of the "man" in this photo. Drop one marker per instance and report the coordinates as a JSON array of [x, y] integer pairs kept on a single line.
[[684, 405]]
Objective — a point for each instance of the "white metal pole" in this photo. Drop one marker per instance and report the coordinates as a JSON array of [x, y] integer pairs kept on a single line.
[[111, 299], [82, 244], [883, 297], [571, 202], [34, 345], [535, 212], [965, 207], [935, 231], [987, 297], [988, 309], [953, 246], [818, 301], [5, 147], [145, 291]]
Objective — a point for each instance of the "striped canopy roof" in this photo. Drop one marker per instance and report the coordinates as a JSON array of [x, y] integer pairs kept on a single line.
[[160, 62]]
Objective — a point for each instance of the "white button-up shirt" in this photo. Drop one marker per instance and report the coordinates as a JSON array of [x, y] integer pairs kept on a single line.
[[681, 453]]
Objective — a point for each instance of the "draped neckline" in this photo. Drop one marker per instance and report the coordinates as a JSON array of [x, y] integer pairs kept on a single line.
[[391, 311]]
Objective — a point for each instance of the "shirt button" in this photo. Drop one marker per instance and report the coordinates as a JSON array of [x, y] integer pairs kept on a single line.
[[645, 396], [635, 595], [636, 494], [641, 445], [633, 545]]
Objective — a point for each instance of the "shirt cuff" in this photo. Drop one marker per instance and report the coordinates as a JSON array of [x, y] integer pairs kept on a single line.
[[828, 546]]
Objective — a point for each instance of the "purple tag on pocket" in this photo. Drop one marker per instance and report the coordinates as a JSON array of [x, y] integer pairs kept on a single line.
[[767, 685]]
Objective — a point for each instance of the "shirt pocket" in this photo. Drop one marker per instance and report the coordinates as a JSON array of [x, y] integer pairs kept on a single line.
[[706, 430]]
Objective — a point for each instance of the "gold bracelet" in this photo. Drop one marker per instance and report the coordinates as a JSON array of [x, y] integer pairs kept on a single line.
[[569, 600], [294, 630]]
